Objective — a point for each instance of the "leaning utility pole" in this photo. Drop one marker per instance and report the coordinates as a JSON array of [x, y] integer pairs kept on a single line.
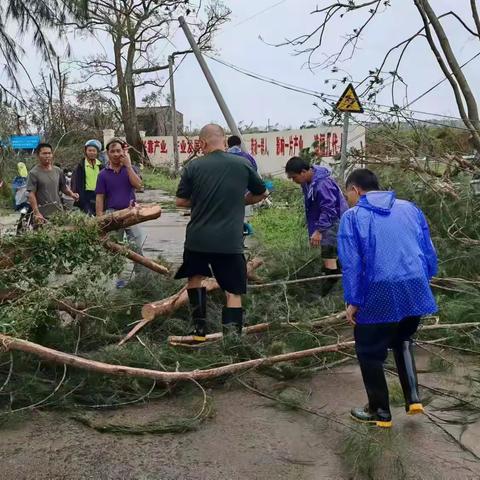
[[211, 81], [173, 110]]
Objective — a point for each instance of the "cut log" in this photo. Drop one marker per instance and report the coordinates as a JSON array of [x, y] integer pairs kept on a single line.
[[261, 327], [135, 257], [8, 343], [167, 306], [170, 304], [128, 217]]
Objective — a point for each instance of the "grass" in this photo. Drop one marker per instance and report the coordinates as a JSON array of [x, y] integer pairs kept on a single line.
[[159, 179]]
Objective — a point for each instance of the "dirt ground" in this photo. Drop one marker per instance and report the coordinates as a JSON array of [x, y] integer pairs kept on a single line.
[[248, 438]]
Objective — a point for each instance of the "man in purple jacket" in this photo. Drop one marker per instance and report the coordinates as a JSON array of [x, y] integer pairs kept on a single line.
[[324, 205]]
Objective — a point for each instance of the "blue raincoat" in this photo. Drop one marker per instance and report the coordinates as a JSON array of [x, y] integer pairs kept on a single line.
[[387, 259], [324, 205]]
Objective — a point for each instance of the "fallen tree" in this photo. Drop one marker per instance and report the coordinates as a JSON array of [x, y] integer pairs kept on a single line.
[[136, 257], [128, 217], [54, 356], [262, 327]]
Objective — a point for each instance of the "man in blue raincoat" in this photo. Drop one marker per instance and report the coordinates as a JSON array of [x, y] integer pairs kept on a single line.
[[324, 205], [388, 259]]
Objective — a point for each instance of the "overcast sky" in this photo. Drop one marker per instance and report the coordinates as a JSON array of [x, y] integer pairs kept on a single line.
[[252, 101]]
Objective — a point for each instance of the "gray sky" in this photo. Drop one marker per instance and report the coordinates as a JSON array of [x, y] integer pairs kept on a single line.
[[253, 101]]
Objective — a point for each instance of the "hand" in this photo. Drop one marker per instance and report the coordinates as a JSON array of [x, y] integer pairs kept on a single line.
[[126, 161], [351, 314], [39, 218], [75, 196], [315, 239]]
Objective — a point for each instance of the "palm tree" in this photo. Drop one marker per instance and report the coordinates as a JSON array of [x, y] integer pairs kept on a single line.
[[35, 17]]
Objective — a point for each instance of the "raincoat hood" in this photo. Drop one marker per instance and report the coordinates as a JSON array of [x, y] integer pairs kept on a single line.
[[379, 202], [319, 173]]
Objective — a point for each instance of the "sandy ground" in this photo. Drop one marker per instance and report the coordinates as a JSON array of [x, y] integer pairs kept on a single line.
[[248, 438]]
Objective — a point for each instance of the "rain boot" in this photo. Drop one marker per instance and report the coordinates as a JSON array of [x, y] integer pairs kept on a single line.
[[377, 412], [329, 283], [407, 373], [232, 320], [198, 307]]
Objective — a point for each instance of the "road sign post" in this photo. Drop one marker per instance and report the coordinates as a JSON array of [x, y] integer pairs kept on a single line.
[[348, 103]]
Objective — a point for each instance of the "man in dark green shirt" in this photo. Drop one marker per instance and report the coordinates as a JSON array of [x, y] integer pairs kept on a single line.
[[214, 187]]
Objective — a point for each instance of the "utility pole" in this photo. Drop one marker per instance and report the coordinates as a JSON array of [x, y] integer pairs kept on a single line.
[[211, 81], [173, 110], [343, 159]]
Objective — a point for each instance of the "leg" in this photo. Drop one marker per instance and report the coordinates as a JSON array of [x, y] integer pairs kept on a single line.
[[407, 373], [136, 236], [371, 344], [231, 274], [195, 267], [330, 267]]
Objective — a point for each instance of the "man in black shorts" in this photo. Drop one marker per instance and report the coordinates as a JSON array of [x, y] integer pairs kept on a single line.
[[214, 187]]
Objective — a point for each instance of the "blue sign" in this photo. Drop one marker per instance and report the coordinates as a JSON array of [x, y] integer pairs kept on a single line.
[[24, 142]]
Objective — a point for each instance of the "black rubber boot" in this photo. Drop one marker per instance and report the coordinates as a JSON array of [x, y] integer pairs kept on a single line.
[[232, 320], [407, 373], [377, 412], [198, 308], [329, 283]]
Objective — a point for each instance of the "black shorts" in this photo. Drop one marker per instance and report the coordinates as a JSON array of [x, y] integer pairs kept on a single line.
[[229, 269], [329, 251]]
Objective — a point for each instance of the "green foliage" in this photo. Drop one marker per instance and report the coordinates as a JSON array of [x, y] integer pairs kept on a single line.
[[159, 179]]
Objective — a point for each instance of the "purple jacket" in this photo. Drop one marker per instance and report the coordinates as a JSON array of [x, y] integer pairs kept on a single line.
[[324, 205], [238, 151]]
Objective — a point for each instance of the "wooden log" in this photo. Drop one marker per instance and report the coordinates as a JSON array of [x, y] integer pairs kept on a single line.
[[135, 257], [165, 307], [261, 327], [128, 217], [8, 343]]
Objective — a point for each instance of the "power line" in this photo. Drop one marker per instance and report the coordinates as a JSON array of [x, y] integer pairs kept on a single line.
[[441, 81], [261, 12], [322, 96]]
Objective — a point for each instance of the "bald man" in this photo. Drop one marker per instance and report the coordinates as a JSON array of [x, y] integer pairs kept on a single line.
[[214, 187]]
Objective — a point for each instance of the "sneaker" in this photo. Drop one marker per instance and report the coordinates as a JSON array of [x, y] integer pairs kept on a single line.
[[121, 284]]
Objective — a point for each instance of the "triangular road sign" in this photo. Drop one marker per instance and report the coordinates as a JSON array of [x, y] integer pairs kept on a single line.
[[349, 101]]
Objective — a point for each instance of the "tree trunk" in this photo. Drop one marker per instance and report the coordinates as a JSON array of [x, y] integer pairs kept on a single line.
[[473, 122], [135, 257], [54, 356], [128, 217], [262, 327]]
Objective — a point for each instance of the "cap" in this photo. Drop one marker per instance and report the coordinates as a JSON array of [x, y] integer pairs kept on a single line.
[[94, 143]]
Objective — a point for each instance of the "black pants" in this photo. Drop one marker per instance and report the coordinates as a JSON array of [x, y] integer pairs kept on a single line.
[[372, 341], [88, 202]]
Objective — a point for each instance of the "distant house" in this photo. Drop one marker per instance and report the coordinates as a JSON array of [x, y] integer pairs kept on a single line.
[[157, 121]]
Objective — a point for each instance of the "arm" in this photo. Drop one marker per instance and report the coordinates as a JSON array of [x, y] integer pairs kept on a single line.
[[251, 199], [135, 180], [256, 188], [99, 204], [327, 201], [32, 185], [183, 202], [184, 190], [427, 246], [32, 200], [350, 255]]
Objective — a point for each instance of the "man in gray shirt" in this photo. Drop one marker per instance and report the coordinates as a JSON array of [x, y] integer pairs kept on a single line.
[[44, 184]]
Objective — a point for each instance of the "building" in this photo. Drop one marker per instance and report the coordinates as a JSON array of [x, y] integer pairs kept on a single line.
[[157, 121]]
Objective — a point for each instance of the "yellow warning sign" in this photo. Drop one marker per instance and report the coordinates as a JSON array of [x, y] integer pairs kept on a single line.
[[349, 101]]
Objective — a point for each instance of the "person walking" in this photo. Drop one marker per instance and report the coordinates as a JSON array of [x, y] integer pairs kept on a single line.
[[324, 205], [214, 187], [388, 259]]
